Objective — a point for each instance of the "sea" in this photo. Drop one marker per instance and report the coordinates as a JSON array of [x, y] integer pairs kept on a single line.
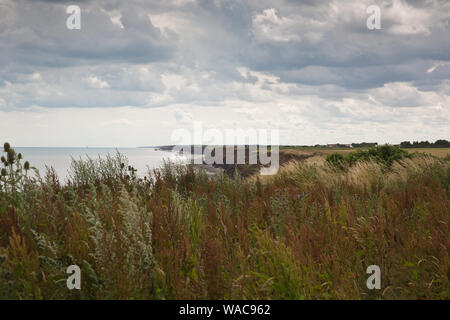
[[142, 159]]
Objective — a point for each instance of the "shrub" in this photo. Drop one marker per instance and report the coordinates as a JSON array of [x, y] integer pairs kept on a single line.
[[387, 154], [384, 154], [335, 159]]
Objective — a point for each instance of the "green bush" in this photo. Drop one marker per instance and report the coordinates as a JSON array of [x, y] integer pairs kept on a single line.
[[335, 159], [384, 154], [387, 154]]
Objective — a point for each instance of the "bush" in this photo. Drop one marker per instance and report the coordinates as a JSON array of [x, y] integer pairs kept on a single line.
[[384, 154], [335, 159], [387, 154]]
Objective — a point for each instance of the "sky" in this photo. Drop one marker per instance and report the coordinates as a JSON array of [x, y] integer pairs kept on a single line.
[[138, 70]]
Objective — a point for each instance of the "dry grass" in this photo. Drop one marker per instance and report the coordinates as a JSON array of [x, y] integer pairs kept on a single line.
[[308, 232], [437, 152]]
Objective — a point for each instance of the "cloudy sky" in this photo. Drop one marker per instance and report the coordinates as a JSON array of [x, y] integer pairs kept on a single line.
[[137, 70]]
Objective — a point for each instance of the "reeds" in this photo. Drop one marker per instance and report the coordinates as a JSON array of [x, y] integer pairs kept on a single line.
[[308, 232]]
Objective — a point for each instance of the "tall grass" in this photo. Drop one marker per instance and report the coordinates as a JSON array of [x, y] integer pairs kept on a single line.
[[308, 232]]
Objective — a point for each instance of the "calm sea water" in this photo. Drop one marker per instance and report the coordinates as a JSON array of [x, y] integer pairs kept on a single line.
[[60, 158]]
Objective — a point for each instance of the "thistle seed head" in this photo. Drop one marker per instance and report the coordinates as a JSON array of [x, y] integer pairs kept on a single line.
[[11, 156], [26, 165], [6, 147]]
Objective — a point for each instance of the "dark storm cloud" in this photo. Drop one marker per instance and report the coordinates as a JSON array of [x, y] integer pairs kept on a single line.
[[124, 48], [36, 34]]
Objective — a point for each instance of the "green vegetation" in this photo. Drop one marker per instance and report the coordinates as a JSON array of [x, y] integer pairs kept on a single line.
[[336, 159], [308, 232], [441, 143], [384, 155]]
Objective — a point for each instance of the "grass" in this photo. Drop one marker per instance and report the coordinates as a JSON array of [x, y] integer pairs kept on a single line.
[[437, 152], [308, 232]]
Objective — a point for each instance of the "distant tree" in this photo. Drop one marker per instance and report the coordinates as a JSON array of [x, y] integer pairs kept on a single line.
[[405, 144], [426, 144], [364, 145], [442, 143]]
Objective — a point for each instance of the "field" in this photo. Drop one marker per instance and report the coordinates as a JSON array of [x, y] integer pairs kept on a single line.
[[308, 232], [438, 152]]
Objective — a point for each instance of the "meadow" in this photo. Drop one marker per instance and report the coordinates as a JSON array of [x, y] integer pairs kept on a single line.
[[308, 232], [438, 152]]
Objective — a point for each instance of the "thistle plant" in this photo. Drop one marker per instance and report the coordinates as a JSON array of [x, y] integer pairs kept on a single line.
[[14, 176], [11, 156]]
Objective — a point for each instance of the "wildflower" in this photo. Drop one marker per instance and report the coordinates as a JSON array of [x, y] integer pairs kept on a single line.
[[6, 147], [11, 156], [3, 159], [26, 165], [19, 156], [4, 172]]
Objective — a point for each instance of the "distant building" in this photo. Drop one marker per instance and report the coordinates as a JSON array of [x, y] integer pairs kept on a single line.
[[339, 145]]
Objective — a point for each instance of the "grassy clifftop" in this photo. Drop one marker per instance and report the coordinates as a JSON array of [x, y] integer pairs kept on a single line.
[[308, 232]]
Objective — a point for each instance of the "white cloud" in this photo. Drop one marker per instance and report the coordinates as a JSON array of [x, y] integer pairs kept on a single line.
[[437, 65], [400, 94], [96, 83], [182, 116], [409, 20], [35, 77], [173, 81], [268, 25], [116, 19]]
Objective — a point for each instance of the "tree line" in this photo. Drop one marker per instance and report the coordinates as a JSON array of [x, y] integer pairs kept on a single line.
[[441, 143]]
